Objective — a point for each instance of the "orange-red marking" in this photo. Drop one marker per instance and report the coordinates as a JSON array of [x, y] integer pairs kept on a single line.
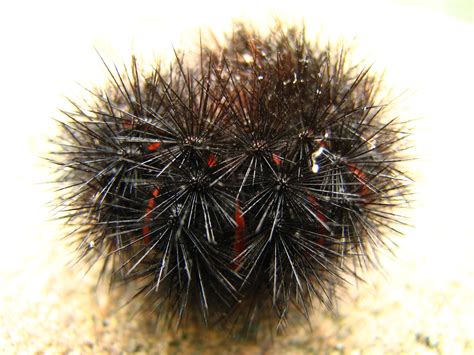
[[276, 159], [153, 146], [150, 206], [363, 190], [212, 161], [128, 124]]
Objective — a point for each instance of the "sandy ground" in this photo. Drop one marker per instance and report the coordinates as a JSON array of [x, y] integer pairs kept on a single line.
[[421, 303]]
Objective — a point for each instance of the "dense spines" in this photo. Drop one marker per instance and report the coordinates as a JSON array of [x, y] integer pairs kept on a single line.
[[239, 189]]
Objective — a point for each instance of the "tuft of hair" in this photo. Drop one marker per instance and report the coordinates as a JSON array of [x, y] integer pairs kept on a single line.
[[238, 190]]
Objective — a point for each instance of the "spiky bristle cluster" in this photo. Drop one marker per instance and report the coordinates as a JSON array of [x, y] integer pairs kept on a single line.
[[239, 189]]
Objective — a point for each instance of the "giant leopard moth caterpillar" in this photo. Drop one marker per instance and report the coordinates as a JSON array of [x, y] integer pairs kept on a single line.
[[236, 190]]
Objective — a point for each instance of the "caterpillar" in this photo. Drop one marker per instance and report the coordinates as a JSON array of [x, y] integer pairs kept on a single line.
[[238, 188]]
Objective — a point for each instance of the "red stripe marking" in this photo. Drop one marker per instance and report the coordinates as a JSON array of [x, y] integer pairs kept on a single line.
[[276, 159], [239, 244], [212, 161], [151, 203], [128, 124], [364, 189], [153, 146]]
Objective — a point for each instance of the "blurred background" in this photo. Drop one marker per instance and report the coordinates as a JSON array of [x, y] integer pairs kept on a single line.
[[422, 302]]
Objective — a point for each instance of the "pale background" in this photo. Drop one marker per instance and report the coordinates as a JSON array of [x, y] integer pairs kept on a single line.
[[422, 303]]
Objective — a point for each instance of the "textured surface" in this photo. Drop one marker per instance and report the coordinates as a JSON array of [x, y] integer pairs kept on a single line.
[[235, 191], [424, 302]]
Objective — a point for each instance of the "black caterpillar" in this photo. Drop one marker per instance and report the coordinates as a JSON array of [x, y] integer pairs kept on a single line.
[[237, 190]]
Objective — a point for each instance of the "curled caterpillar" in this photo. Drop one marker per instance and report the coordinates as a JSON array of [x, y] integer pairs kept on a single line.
[[237, 190]]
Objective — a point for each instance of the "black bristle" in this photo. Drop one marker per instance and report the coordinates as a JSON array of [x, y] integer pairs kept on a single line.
[[237, 191]]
